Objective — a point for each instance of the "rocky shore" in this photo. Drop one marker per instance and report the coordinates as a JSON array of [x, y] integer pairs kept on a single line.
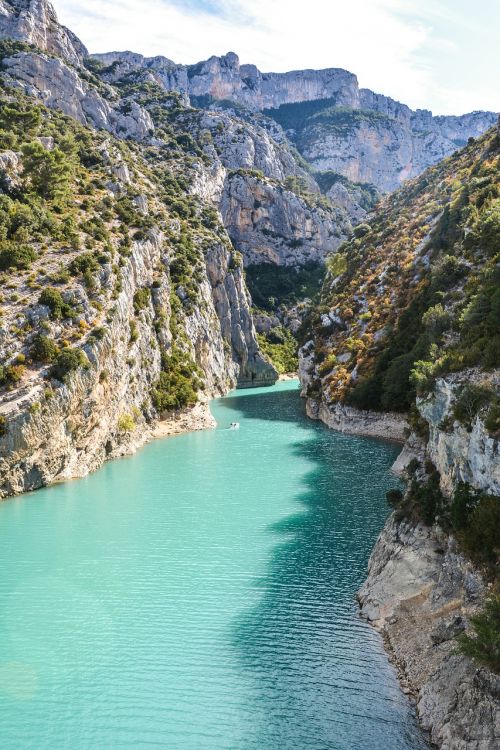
[[355, 422], [419, 594], [420, 591]]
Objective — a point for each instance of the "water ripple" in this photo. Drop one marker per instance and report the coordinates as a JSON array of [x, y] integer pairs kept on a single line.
[[200, 596]]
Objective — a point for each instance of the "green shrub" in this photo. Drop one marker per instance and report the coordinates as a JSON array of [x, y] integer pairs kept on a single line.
[[328, 364], [48, 172], [469, 402], [492, 421], [484, 645], [426, 499], [87, 262], [481, 537], [13, 255], [491, 354], [53, 299], [126, 423], [178, 384], [66, 362], [361, 230], [336, 264], [134, 332], [11, 375], [488, 229], [43, 349], [394, 498], [465, 499], [142, 298]]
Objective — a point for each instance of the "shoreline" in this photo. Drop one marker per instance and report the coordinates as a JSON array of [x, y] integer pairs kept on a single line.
[[419, 594], [350, 421], [192, 419]]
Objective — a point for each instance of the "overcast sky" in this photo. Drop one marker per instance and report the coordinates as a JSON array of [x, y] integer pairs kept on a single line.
[[435, 54]]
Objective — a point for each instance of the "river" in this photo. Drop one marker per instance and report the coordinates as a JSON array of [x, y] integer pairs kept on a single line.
[[200, 595]]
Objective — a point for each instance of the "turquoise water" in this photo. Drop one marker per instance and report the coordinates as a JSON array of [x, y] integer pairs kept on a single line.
[[200, 595]]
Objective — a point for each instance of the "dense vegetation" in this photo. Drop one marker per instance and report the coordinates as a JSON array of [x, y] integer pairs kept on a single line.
[[275, 291], [419, 296], [271, 286], [280, 346]]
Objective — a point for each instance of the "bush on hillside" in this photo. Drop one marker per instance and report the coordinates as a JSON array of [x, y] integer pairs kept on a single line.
[[43, 349], [66, 362], [484, 645]]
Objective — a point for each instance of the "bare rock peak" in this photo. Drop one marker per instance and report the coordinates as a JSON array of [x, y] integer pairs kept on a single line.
[[35, 22]]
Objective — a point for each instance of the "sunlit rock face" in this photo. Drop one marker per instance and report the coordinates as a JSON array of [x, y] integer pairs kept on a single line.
[[35, 22]]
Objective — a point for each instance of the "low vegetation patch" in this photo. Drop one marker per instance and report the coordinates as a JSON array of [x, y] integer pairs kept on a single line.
[[179, 382]]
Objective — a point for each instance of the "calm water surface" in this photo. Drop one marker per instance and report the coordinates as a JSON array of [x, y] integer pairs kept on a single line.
[[200, 595]]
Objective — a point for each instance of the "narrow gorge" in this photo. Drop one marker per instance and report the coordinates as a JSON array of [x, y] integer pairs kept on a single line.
[[172, 233]]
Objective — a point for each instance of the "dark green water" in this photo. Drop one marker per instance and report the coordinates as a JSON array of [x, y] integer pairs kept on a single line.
[[200, 595]]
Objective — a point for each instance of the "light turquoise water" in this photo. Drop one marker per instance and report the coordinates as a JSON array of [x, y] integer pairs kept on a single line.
[[200, 595]]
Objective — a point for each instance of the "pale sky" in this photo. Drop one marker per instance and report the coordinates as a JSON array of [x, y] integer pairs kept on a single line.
[[442, 55]]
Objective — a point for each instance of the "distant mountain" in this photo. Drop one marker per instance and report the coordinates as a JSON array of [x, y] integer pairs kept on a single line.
[[336, 126]]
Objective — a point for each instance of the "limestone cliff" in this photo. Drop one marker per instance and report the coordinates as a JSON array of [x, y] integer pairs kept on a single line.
[[35, 21], [419, 593], [336, 126], [224, 78], [125, 305]]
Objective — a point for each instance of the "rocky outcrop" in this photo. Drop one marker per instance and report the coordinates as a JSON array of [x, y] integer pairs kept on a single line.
[[60, 86], [420, 593], [356, 422], [270, 224], [245, 144], [461, 453], [339, 416], [79, 427], [35, 22]]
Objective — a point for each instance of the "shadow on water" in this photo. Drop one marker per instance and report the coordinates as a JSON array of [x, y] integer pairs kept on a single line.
[[320, 667]]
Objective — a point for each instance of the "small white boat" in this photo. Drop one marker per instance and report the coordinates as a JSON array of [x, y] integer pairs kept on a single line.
[[234, 426]]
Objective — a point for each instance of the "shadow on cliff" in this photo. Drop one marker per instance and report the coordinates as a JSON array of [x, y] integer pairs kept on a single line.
[[316, 666]]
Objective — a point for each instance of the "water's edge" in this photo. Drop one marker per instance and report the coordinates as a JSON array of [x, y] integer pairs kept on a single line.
[[410, 569]]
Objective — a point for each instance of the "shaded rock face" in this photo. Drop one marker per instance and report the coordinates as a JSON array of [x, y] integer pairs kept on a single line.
[[35, 22], [420, 593], [271, 225]]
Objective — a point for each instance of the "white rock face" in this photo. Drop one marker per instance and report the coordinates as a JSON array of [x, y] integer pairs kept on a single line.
[[81, 428], [458, 454], [35, 21], [60, 86], [420, 593], [356, 422]]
